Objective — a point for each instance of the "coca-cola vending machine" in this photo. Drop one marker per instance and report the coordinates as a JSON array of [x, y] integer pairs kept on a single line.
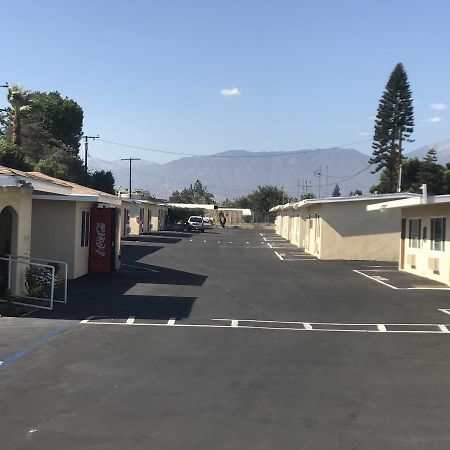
[[102, 251]]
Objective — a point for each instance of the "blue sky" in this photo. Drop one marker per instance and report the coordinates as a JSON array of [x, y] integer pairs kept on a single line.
[[309, 74]]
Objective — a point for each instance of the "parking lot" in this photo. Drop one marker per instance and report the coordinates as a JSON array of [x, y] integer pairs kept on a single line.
[[231, 339]]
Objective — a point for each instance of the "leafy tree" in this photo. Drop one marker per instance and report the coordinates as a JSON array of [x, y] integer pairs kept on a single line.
[[410, 171], [61, 164], [176, 214], [446, 179], [355, 193], [60, 118], [307, 196], [427, 171], [12, 156], [196, 193], [432, 174], [393, 125], [266, 197], [102, 181], [336, 191]]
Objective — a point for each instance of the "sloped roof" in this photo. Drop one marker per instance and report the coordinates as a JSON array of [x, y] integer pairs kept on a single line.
[[77, 189]]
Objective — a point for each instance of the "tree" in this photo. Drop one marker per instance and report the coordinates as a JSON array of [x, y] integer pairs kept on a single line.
[[12, 156], [432, 174], [307, 196], [336, 191], [176, 214], [102, 181], [196, 193], [266, 197], [355, 193], [61, 164], [427, 171], [394, 124], [20, 101]]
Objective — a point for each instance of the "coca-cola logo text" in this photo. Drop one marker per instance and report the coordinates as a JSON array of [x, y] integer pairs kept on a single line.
[[100, 238]]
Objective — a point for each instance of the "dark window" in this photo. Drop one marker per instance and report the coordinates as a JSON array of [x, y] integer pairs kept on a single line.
[[438, 234], [85, 225], [414, 233]]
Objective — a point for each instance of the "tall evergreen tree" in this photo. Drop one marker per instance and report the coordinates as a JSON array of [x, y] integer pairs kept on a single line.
[[394, 124], [336, 191]]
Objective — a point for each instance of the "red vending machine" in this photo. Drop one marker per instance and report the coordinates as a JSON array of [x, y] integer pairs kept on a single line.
[[102, 244]]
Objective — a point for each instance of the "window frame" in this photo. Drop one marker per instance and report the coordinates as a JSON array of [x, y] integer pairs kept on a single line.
[[433, 241], [85, 227], [417, 239]]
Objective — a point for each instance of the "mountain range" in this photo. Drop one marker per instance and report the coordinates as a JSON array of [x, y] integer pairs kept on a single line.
[[235, 173]]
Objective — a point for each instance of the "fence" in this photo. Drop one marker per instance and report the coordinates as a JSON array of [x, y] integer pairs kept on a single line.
[[36, 282]]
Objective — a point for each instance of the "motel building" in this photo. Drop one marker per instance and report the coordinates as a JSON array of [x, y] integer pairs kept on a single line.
[[141, 216], [424, 242], [51, 219], [342, 228]]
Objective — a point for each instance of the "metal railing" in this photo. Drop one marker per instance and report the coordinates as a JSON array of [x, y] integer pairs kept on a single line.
[[18, 292]]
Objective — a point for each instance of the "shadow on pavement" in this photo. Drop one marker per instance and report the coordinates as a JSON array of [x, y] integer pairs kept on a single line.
[[107, 294]]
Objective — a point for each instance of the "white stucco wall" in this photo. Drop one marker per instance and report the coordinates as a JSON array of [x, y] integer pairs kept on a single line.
[[423, 260]]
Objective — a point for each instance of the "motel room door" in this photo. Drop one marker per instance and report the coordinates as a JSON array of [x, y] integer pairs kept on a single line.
[[102, 244]]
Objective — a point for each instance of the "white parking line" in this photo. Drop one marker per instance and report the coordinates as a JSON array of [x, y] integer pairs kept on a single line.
[[445, 311], [306, 326], [383, 280], [279, 256]]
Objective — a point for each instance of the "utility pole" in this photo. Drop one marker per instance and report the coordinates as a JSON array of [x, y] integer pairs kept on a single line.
[[318, 173], [6, 85], [86, 148], [130, 159], [326, 181]]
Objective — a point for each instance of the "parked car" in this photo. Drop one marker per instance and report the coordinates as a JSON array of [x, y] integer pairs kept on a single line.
[[208, 222], [195, 223]]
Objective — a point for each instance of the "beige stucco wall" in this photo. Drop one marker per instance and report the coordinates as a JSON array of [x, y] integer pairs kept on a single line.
[[425, 259], [290, 224], [159, 213], [19, 200], [53, 231], [348, 231]]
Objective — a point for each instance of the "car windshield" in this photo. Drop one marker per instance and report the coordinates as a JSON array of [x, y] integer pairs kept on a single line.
[[196, 219]]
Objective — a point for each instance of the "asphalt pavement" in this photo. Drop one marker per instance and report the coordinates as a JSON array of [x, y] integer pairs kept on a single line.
[[231, 339]]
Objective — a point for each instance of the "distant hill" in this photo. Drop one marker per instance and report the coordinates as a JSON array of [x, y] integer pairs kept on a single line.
[[235, 173], [238, 172], [442, 149]]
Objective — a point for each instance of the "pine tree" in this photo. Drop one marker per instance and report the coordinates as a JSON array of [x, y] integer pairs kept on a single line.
[[394, 124], [336, 191]]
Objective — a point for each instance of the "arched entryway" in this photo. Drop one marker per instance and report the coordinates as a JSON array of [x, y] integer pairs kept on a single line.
[[8, 242]]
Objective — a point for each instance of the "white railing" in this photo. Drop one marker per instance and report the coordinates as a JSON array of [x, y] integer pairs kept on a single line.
[[18, 287], [49, 263]]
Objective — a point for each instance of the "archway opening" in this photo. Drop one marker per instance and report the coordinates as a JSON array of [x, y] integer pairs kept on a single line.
[[8, 234]]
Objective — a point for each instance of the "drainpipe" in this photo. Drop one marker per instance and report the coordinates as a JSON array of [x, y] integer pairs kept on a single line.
[[424, 194]]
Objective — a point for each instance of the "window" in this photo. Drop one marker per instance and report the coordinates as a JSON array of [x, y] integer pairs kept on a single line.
[[414, 233], [438, 234], [85, 225]]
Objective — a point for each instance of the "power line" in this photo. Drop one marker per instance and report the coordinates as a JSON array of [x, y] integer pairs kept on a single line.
[[271, 155]]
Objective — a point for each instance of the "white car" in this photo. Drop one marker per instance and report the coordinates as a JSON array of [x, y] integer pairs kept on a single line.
[[195, 223], [208, 222]]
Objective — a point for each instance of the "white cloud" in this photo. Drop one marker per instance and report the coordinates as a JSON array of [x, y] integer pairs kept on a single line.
[[433, 119], [230, 92], [438, 106], [363, 133]]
